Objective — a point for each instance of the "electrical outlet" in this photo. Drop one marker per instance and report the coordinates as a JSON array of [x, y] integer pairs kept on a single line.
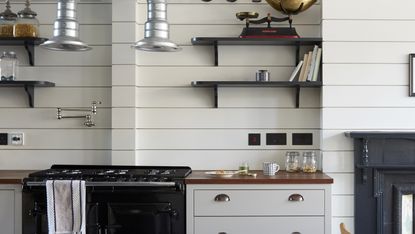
[[254, 139], [16, 138], [302, 139], [3, 138], [276, 139]]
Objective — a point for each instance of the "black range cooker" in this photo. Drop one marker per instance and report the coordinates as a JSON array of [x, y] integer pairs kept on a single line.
[[119, 199]]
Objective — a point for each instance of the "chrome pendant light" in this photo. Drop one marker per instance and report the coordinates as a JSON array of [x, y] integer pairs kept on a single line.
[[156, 29], [66, 30]]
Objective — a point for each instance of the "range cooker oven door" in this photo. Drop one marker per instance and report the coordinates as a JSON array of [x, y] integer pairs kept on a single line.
[[140, 218]]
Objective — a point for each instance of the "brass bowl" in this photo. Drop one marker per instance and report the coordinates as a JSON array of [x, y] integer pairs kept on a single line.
[[291, 7], [244, 15]]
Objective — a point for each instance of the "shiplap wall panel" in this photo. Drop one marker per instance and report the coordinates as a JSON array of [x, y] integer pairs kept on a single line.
[[62, 139], [344, 183], [343, 205], [41, 159], [212, 159], [365, 74], [218, 139], [335, 140], [367, 10], [228, 118], [380, 30], [338, 161], [80, 79], [368, 52], [223, 13], [367, 96]]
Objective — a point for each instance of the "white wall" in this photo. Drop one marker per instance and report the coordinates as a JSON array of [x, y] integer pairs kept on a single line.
[[80, 78], [365, 55], [176, 124]]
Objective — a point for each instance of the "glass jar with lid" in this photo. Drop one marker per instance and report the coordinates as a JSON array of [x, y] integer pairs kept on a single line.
[[26, 24], [8, 66], [292, 163], [7, 21], [309, 162]]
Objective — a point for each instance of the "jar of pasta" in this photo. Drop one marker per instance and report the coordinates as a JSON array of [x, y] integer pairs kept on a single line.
[[7, 21], [26, 24]]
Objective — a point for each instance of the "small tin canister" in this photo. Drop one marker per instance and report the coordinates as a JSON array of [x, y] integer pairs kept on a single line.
[[262, 75]]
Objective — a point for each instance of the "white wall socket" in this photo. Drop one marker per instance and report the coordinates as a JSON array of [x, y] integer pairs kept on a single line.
[[16, 138]]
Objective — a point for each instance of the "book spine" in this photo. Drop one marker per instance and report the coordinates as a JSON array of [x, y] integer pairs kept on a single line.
[[303, 67], [307, 69], [312, 64], [296, 70], [317, 67]]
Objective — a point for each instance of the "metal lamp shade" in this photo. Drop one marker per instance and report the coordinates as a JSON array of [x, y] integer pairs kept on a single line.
[[66, 30], [156, 30]]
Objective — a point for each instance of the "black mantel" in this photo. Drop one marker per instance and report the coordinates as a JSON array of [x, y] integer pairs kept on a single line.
[[384, 168]]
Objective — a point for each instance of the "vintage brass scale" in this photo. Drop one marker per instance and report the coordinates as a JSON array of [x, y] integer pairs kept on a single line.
[[287, 7]]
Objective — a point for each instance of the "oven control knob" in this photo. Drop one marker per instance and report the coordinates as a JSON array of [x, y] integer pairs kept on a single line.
[[173, 213]]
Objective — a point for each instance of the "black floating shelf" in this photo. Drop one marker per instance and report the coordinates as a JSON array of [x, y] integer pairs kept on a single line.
[[297, 85], [29, 87], [28, 42], [297, 42]]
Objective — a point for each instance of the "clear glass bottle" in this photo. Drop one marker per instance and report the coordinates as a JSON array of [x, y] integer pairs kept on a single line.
[[26, 24], [292, 163], [8, 66], [309, 162], [7, 21]]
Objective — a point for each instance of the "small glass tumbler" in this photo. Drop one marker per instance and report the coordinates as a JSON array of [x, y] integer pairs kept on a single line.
[[8, 66], [292, 163], [244, 168], [309, 162]]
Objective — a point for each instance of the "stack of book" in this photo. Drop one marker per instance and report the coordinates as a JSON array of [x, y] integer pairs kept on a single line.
[[307, 69]]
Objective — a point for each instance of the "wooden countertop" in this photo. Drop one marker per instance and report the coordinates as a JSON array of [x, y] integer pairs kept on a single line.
[[282, 177], [13, 176]]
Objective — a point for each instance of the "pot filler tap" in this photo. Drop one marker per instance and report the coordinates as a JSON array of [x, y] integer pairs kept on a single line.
[[89, 116]]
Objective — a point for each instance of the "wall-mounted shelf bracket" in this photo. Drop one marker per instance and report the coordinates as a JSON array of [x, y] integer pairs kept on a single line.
[[29, 87], [28, 43]]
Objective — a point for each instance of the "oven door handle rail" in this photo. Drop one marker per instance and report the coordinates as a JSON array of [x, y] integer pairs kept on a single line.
[[107, 184]]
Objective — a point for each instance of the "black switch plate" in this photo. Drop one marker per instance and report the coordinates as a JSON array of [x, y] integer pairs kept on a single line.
[[276, 139], [3, 138], [254, 139], [302, 139]]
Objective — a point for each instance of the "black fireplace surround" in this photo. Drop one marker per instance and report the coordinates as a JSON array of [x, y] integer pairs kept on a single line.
[[384, 171]]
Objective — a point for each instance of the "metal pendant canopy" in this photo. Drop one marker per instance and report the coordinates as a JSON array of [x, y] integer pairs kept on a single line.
[[66, 30], [156, 29]]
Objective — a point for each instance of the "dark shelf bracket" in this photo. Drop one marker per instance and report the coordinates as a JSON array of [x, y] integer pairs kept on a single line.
[[215, 47], [297, 96], [30, 48], [30, 91]]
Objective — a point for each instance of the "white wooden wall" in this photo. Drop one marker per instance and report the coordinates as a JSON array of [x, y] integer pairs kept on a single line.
[[176, 124], [365, 55], [80, 78]]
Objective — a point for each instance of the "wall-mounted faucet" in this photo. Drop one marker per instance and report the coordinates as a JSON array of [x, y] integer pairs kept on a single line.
[[89, 119]]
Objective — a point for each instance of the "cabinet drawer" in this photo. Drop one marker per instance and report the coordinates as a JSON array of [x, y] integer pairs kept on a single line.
[[257, 202], [262, 225]]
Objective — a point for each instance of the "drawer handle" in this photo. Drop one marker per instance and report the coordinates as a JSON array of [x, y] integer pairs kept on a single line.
[[296, 233], [222, 233], [296, 198], [222, 198]]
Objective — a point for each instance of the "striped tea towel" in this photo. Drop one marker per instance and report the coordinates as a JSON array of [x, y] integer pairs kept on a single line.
[[66, 206]]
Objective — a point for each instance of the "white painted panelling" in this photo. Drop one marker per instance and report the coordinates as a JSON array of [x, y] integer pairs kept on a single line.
[[343, 205], [368, 52], [335, 140], [367, 96], [7, 203], [123, 32], [208, 139], [369, 9], [68, 76], [344, 183], [357, 30], [98, 56], [365, 74], [122, 11], [41, 159], [183, 76], [368, 118], [123, 75], [228, 118], [123, 96], [338, 161], [123, 117], [190, 55], [212, 159], [123, 157], [123, 139], [123, 54], [65, 139]]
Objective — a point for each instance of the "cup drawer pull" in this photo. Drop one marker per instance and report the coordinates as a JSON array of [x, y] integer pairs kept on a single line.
[[222, 233], [296, 233], [296, 197], [222, 198]]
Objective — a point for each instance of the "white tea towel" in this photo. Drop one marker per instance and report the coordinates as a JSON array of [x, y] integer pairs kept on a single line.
[[66, 206]]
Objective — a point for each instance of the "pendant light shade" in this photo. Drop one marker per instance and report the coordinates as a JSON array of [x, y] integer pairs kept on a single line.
[[156, 29], [66, 30]]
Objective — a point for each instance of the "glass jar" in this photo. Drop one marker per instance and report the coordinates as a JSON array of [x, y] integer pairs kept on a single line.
[[292, 163], [8, 66], [244, 168], [26, 24], [7, 21], [309, 162]]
